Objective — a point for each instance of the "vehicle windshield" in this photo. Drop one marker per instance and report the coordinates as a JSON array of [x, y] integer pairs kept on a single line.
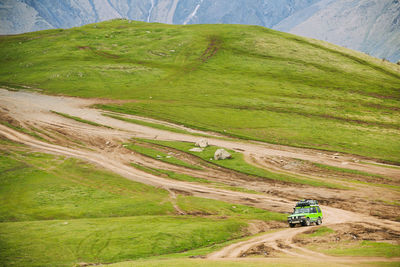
[[301, 210]]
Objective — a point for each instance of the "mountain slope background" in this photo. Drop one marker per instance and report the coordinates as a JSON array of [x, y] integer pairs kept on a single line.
[[370, 26], [244, 81]]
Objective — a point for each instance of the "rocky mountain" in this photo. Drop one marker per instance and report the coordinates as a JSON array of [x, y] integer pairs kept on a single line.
[[257, 12], [371, 26]]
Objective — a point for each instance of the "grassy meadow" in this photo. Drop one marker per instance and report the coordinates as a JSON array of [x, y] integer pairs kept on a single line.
[[243, 81], [245, 263], [159, 155], [237, 163], [352, 248], [364, 249], [57, 211]]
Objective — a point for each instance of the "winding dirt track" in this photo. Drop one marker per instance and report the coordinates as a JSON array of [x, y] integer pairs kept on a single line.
[[34, 109]]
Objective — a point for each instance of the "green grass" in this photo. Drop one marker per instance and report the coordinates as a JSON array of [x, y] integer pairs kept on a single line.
[[344, 170], [107, 240], [80, 119], [365, 249], [243, 81], [209, 249], [171, 174], [234, 263], [57, 211], [321, 231], [152, 125], [381, 165], [206, 206], [393, 203], [159, 155], [189, 178], [388, 186], [253, 262], [23, 130], [238, 163], [37, 186]]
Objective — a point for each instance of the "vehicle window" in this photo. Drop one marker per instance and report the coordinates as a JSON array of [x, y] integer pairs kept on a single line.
[[313, 210], [302, 210], [319, 210]]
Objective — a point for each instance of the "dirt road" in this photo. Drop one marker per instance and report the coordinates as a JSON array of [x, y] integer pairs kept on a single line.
[[33, 110]]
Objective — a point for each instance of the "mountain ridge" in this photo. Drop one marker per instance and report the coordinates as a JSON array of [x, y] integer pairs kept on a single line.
[[370, 26], [273, 86]]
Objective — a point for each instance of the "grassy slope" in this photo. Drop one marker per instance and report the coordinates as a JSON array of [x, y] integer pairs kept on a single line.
[[246, 81], [238, 164], [41, 187], [189, 178], [344, 170], [56, 211], [80, 119], [107, 240], [159, 155], [245, 263], [365, 248], [151, 124]]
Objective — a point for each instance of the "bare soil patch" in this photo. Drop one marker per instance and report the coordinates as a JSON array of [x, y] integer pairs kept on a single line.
[[352, 232]]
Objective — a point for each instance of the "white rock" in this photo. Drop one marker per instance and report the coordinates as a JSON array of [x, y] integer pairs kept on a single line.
[[203, 143], [221, 154]]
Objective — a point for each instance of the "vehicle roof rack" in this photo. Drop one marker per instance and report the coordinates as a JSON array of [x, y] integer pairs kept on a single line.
[[306, 202]]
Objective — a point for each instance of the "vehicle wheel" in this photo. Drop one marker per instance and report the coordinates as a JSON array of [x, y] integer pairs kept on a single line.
[[319, 221], [292, 225], [308, 223]]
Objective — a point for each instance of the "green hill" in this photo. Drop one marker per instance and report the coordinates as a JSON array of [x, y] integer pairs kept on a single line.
[[58, 211], [244, 81]]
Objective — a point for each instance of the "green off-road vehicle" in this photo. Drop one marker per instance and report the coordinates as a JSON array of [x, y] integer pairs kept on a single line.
[[306, 212]]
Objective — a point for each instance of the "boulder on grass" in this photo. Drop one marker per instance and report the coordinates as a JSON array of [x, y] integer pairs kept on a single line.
[[221, 154], [203, 143]]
